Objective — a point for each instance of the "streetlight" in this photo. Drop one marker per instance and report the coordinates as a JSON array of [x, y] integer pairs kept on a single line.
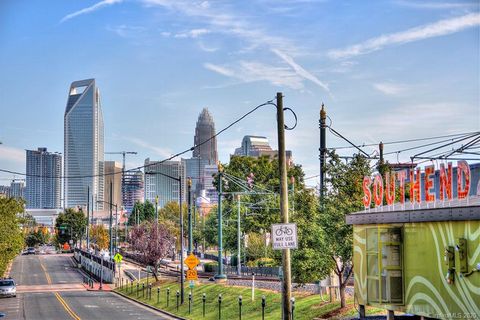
[[110, 224], [190, 236], [179, 180]]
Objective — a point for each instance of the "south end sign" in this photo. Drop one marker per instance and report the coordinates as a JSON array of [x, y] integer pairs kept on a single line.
[[377, 189]]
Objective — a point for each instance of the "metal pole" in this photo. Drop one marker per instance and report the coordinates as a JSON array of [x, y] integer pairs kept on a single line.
[[116, 228], [220, 274], [156, 209], [323, 152], [88, 218], [189, 204], [284, 206], [181, 242], [111, 218], [239, 238]]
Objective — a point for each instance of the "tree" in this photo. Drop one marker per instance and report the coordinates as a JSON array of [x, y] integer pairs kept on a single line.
[[142, 212], [153, 242], [36, 237], [99, 236], [11, 236], [344, 195], [70, 225]]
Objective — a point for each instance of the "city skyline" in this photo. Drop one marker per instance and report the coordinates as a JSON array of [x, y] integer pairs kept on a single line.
[[411, 65]]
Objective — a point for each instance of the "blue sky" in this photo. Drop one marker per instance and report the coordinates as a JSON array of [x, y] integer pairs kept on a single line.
[[386, 70]]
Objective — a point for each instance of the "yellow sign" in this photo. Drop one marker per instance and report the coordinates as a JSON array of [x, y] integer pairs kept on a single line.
[[192, 274], [191, 261], [118, 258]]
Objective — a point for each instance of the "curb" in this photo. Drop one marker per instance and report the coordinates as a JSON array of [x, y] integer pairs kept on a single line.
[[6, 274], [173, 316]]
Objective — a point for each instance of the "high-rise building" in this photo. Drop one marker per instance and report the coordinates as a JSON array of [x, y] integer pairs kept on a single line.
[[257, 146], [84, 145], [204, 130], [113, 176], [194, 168], [165, 188], [134, 191], [17, 189], [209, 174], [44, 171]]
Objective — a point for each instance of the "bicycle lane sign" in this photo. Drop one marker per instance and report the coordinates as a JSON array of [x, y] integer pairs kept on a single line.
[[284, 236]]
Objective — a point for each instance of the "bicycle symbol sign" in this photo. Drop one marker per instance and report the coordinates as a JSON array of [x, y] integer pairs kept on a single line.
[[284, 236]]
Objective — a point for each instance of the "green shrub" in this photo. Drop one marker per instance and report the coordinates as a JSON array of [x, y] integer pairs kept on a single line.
[[210, 267]]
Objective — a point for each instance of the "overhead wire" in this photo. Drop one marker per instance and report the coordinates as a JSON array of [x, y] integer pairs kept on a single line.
[[269, 102]]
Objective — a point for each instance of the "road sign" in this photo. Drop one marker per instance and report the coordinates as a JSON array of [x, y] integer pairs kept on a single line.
[[191, 261], [118, 258], [192, 274], [284, 236], [191, 284]]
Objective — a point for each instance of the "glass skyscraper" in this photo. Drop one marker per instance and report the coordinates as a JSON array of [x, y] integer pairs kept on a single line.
[[44, 171], [84, 146], [165, 188], [204, 130]]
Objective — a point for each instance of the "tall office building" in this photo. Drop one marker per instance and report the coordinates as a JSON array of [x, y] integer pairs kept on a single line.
[[204, 130], [134, 191], [44, 171], [165, 188], [17, 189], [258, 146], [113, 176], [194, 168], [84, 146]]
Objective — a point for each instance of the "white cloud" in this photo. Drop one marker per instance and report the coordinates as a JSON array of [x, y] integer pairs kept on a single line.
[[235, 25], [439, 28], [194, 33], [390, 88], [90, 9], [162, 152], [12, 154], [251, 71], [300, 70], [125, 31], [435, 5]]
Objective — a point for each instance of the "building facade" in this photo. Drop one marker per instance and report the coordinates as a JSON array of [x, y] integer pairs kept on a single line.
[[204, 130], [17, 189], [194, 169], [113, 178], [165, 188], [83, 145], [257, 146], [134, 190], [44, 171]]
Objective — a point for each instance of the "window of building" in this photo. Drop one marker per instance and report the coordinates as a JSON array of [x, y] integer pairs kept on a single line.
[[384, 265]]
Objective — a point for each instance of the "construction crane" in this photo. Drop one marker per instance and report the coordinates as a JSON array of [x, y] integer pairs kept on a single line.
[[123, 153]]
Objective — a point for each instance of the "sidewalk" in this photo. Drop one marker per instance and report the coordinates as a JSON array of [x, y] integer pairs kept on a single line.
[[96, 287]]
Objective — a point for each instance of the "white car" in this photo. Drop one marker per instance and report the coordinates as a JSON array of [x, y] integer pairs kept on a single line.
[[8, 288]]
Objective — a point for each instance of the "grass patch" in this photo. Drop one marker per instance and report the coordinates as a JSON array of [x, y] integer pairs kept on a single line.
[[306, 306]]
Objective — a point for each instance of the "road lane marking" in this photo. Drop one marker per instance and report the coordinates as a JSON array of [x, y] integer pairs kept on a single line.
[[49, 280], [66, 307]]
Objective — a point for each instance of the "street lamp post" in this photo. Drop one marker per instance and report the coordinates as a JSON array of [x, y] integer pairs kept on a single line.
[[179, 180], [220, 276], [190, 236]]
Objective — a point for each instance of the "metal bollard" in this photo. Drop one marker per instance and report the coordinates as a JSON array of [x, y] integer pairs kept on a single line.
[[131, 286], [149, 292], [204, 299], [143, 290], [168, 296], [138, 294], [264, 304], [189, 303], [293, 307], [240, 307], [178, 297], [220, 306], [158, 295]]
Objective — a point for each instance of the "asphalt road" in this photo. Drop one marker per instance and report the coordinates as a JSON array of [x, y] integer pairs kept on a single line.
[[49, 287]]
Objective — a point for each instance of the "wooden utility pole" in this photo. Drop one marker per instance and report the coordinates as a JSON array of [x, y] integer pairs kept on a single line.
[[282, 165], [323, 153]]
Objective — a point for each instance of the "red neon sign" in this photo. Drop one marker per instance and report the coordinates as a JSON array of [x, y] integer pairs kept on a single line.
[[418, 186]]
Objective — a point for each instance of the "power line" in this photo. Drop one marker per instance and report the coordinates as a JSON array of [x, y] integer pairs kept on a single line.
[[405, 141], [269, 102]]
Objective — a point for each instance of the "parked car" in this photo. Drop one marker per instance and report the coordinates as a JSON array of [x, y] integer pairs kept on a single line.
[[30, 250], [8, 288]]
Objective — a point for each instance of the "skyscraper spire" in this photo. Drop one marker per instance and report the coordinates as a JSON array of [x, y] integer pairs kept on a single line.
[[204, 130]]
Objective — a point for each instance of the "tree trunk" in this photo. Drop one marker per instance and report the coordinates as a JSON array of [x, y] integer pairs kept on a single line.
[[341, 285]]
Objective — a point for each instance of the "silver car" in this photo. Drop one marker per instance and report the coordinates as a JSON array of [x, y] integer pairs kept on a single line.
[[8, 288]]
